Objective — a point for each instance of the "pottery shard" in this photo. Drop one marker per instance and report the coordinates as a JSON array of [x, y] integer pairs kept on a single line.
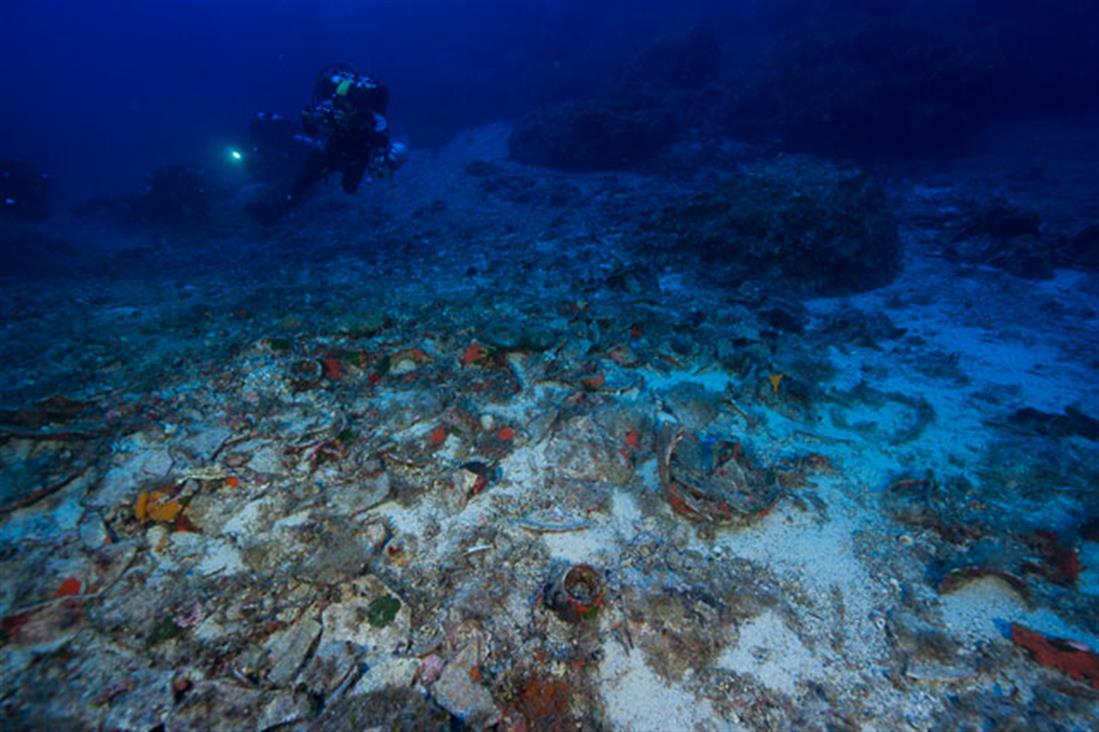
[[389, 674], [288, 648], [217, 705], [355, 618], [267, 461], [582, 451], [460, 692], [127, 473], [284, 709], [329, 667], [205, 444]]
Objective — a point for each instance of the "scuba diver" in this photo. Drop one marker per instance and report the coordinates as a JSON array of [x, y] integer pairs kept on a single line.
[[344, 130]]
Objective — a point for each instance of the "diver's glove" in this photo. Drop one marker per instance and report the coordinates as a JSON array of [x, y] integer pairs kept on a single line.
[[386, 163]]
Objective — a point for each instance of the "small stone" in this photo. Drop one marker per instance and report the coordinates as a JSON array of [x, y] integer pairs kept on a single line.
[[430, 668], [391, 673], [267, 461], [459, 693], [288, 649], [206, 443], [937, 672], [404, 366], [284, 709], [93, 532], [329, 667]]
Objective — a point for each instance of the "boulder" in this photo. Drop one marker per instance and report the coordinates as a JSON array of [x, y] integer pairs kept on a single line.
[[1082, 251], [1002, 235], [804, 224]]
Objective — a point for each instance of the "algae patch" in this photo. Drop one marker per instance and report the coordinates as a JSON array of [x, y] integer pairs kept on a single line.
[[381, 611]]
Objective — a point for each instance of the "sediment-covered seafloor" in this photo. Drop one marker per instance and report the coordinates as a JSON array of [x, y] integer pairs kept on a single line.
[[494, 446]]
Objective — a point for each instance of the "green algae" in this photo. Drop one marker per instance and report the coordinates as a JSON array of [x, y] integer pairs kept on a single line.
[[381, 611]]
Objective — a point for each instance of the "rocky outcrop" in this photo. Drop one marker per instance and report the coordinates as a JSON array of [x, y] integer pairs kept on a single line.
[[804, 224]]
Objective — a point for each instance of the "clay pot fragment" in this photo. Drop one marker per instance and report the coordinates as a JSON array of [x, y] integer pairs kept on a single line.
[[576, 594], [712, 481]]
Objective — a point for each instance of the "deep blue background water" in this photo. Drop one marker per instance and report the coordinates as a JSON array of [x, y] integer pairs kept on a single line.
[[98, 94]]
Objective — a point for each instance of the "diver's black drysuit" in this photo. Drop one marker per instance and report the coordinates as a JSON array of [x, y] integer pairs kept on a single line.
[[348, 108], [345, 132]]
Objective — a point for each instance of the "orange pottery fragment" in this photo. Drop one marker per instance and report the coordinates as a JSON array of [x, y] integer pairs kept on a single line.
[[141, 505], [232, 481], [69, 586], [591, 383], [506, 434], [437, 436], [417, 356], [633, 439], [156, 506], [1068, 657], [473, 353], [775, 380]]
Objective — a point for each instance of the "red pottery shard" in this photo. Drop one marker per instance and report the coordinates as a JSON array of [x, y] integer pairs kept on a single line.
[[473, 353], [1074, 659], [69, 586], [594, 382], [437, 436], [506, 434], [1069, 565], [333, 369]]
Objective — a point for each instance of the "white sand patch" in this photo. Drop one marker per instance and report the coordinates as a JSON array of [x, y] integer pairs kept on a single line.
[[822, 554], [591, 546], [819, 558], [202, 554], [523, 471], [404, 520], [714, 381], [771, 653], [982, 610], [637, 700], [626, 518]]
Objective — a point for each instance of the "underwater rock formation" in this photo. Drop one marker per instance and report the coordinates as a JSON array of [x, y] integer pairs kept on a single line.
[[816, 227], [1082, 251], [1002, 235]]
